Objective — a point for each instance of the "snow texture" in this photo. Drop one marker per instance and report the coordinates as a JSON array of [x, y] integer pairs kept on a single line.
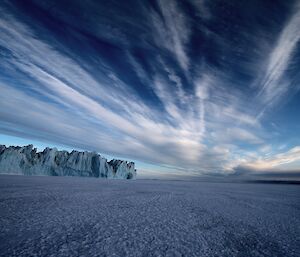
[[27, 161], [70, 216]]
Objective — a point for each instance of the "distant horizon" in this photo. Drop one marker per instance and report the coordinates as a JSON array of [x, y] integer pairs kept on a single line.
[[275, 177]]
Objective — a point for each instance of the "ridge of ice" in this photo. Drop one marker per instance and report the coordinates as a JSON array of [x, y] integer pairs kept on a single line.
[[26, 160]]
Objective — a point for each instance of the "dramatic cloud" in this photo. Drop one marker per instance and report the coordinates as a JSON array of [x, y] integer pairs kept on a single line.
[[274, 83], [275, 162], [180, 85]]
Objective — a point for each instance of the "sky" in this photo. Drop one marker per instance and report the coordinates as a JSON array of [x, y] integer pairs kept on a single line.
[[191, 87]]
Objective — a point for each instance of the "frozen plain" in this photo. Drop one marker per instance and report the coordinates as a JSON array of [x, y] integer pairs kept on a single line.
[[71, 216]]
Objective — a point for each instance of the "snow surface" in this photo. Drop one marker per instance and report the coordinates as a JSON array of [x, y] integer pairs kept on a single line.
[[71, 216]]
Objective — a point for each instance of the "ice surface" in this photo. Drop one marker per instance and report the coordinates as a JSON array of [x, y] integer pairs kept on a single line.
[[26, 160], [70, 216]]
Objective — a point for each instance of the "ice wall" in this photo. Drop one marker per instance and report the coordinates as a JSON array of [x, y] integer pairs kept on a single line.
[[27, 161]]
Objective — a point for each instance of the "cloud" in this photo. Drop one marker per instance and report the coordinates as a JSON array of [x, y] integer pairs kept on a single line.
[[172, 30], [148, 100], [274, 85], [238, 135], [63, 81], [202, 8], [274, 162]]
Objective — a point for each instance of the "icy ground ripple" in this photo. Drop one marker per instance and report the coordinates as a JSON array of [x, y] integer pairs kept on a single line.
[[68, 216]]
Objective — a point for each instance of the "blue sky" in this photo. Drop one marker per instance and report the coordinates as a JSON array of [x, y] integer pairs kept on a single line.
[[181, 87]]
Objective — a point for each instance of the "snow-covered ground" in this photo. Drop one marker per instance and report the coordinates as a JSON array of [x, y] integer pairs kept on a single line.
[[69, 216]]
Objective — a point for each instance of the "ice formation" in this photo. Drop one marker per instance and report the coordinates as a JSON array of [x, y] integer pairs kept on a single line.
[[27, 161]]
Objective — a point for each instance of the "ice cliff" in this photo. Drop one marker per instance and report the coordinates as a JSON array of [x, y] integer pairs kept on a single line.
[[27, 161]]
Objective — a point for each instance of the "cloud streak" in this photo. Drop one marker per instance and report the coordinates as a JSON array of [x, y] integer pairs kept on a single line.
[[149, 100], [274, 84]]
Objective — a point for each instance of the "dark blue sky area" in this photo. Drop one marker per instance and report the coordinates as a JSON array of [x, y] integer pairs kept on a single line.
[[187, 87]]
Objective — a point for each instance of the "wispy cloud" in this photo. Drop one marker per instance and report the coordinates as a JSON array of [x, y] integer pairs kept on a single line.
[[202, 8], [274, 84], [150, 100], [275, 162], [172, 30]]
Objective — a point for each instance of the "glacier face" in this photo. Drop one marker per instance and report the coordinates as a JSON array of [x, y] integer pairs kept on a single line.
[[27, 161]]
